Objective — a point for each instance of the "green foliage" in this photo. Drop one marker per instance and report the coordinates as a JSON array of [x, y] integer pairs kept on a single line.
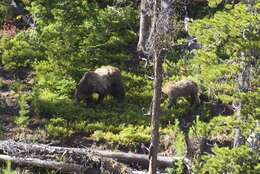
[[250, 102], [100, 36], [223, 39], [53, 77], [1, 125], [20, 51], [99, 126], [73, 37], [200, 129], [179, 144], [8, 169], [214, 3], [221, 128], [178, 168], [130, 135], [58, 128], [49, 103], [5, 11], [22, 120], [225, 160]]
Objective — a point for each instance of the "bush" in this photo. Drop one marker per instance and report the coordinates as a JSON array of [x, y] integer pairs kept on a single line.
[[225, 160], [8, 169], [48, 103], [19, 52], [50, 76], [130, 135], [22, 120], [58, 128], [6, 13]]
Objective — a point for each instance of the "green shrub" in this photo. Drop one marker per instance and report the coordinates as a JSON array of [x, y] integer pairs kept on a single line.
[[22, 120], [49, 103], [1, 126], [58, 128], [55, 78], [178, 168], [90, 128], [6, 13], [130, 135], [19, 52], [179, 144], [234, 161], [8, 169]]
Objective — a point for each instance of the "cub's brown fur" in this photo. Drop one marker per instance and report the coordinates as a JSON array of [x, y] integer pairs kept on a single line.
[[183, 88], [220, 109], [104, 80]]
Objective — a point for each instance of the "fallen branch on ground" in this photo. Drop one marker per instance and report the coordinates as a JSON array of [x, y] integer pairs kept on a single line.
[[80, 156], [62, 166], [64, 159]]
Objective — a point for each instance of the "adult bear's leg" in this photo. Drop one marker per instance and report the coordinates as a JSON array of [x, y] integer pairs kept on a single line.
[[101, 97], [89, 102]]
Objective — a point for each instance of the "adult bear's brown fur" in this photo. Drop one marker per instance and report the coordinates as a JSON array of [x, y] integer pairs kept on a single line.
[[183, 88], [104, 80]]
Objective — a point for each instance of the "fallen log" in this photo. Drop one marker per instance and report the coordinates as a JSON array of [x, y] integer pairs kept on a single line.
[[57, 158], [61, 166], [163, 161], [78, 154]]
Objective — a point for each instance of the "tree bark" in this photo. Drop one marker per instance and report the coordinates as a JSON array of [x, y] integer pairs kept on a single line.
[[155, 122], [144, 28]]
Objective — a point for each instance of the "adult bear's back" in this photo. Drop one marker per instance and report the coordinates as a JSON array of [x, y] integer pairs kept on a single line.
[[112, 73]]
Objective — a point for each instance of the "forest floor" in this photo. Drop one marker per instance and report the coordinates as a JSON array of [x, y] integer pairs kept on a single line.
[[14, 83], [35, 131]]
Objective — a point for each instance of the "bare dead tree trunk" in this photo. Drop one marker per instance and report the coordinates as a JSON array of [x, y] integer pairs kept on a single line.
[[152, 31], [144, 27], [155, 123], [244, 84], [238, 134], [155, 44]]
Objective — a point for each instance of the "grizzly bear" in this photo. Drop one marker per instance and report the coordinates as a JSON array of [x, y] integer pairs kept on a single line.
[[103, 81], [220, 109], [183, 88]]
